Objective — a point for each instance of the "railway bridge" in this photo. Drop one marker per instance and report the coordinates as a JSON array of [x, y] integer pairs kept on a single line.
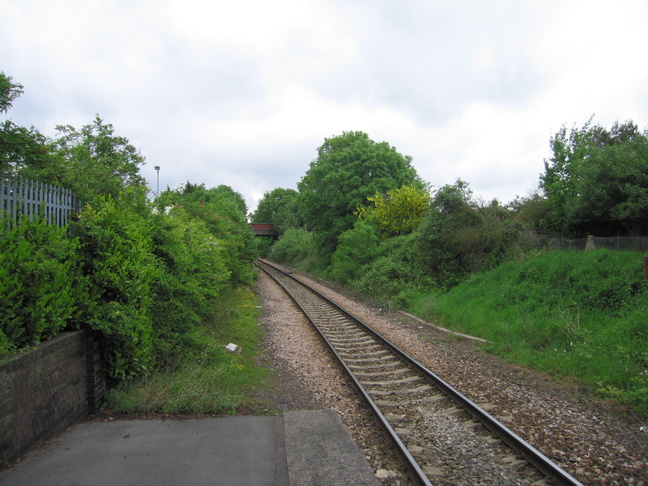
[[264, 229]]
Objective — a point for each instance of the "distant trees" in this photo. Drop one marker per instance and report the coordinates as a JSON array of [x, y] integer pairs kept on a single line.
[[348, 169], [374, 225], [279, 207], [597, 180]]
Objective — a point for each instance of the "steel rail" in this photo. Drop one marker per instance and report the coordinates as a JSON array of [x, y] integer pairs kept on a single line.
[[415, 472], [533, 456]]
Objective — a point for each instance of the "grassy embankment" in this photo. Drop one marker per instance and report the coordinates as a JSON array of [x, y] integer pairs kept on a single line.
[[581, 316], [210, 380], [578, 315]]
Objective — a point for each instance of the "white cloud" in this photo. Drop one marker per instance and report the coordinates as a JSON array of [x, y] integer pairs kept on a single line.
[[243, 93]]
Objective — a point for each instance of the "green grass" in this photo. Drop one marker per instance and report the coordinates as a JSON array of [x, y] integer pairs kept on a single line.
[[578, 315], [209, 380]]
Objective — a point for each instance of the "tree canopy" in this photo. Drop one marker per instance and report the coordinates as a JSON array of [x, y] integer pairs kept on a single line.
[[597, 180], [94, 160], [279, 207], [223, 211], [9, 91], [348, 169], [19, 146]]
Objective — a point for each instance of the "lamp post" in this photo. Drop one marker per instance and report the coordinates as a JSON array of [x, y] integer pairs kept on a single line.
[[157, 169]]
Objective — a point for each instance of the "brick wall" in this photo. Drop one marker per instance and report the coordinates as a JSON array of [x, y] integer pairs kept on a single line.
[[44, 391]]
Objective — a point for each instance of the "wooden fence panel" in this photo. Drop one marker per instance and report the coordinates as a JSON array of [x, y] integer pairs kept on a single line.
[[19, 196]]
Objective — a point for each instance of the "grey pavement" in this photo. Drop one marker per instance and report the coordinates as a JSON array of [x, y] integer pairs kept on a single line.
[[299, 449]]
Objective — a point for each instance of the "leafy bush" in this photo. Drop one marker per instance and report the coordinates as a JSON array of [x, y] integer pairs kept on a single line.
[[400, 212], [115, 249], [357, 247], [192, 274], [296, 247], [394, 275], [39, 283], [263, 246], [223, 212]]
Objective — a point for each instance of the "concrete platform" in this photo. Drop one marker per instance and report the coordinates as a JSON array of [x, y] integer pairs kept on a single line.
[[299, 449]]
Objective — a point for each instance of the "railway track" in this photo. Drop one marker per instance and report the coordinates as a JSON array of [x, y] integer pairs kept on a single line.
[[417, 410]]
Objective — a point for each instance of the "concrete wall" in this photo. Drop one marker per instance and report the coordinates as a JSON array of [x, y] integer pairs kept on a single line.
[[44, 391]]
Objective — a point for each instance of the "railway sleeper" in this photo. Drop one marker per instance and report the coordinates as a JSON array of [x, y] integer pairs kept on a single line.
[[340, 330], [400, 391], [338, 320], [360, 338], [345, 331], [395, 382], [515, 462], [395, 417], [383, 352], [409, 402], [377, 367], [366, 345], [378, 374], [392, 403], [456, 412], [405, 391], [372, 364]]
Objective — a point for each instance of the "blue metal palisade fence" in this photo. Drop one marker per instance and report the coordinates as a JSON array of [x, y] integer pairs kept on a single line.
[[20, 196]]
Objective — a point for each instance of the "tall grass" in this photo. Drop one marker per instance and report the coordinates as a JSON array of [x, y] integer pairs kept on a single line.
[[574, 314], [207, 379]]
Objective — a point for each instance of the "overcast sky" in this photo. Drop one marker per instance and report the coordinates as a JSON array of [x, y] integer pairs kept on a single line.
[[243, 92]]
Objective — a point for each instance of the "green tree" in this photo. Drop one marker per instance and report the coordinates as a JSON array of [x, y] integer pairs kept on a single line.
[[93, 161], [348, 169], [613, 189], [452, 210], [395, 275], [561, 173], [223, 211], [41, 288], [9, 91], [226, 193], [19, 146], [595, 181], [400, 212], [279, 207], [531, 212]]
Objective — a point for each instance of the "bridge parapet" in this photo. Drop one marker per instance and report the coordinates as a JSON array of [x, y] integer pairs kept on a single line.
[[264, 229]]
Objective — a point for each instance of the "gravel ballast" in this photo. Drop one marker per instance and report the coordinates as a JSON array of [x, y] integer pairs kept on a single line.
[[592, 440]]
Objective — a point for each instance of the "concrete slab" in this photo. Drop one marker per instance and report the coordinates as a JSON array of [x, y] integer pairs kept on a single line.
[[320, 451], [224, 451], [300, 449]]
